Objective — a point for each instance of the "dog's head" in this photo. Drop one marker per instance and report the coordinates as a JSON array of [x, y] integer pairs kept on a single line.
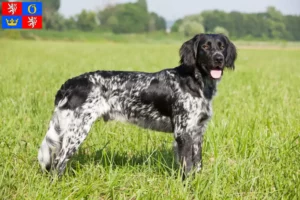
[[210, 53]]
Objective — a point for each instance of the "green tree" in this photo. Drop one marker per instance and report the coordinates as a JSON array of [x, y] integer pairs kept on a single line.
[[112, 21], [276, 24], [125, 18], [269, 24], [161, 23], [292, 24], [130, 18], [220, 29], [51, 5], [142, 4], [55, 22], [214, 18], [175, 26], [254, 25], [105, 14], [70, 23], [196, 18], [191, 28], [237, 24], [50, 14], [189, 25], [156, 22], [86, 21]]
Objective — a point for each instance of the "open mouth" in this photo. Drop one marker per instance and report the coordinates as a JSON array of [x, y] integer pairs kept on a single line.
[[216, 73]]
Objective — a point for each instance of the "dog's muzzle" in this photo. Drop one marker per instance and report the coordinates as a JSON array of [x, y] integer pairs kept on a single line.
[[217, 71]]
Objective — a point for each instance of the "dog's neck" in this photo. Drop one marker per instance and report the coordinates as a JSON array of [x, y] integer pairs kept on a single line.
[[208, 84]]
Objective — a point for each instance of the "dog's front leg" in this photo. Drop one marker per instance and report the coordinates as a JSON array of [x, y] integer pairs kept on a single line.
[[188, 148], [188, 143], [184, 151], [197, 150]]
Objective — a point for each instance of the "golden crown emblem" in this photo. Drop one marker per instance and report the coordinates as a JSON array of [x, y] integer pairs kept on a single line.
[[12, 22]]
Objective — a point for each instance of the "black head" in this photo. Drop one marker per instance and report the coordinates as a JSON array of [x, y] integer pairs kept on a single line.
[[209, 53]]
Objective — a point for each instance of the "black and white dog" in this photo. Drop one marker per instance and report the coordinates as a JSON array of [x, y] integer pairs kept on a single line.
[[177, 100]]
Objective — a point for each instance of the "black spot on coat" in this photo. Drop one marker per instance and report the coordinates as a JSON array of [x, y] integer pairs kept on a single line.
[[160, 95], [76, 91]]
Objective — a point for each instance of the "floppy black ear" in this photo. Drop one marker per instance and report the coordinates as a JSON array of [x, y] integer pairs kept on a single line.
[[188, 51], [231, 54]]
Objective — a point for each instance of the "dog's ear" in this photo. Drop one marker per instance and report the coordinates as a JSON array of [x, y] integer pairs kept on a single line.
[[188, 51], [231, 54]]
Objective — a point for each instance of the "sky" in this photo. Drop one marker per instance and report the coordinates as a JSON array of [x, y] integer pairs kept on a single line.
[[175, 9]]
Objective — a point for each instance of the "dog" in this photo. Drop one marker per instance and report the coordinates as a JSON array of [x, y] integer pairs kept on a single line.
[[176, 100]]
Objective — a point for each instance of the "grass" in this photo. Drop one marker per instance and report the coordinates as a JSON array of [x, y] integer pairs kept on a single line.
[[145, 38], [96, 36], [251, 148]]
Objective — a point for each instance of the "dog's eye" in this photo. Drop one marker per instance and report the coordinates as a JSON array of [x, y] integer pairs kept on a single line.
[[205, 46], [221, 45]]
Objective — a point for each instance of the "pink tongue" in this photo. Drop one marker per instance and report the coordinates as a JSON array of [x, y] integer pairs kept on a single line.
[[216, 73]]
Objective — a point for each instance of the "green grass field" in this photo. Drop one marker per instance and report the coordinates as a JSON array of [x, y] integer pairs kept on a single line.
[[251, 148]]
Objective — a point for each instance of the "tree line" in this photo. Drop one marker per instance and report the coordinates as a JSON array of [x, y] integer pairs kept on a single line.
[[271, 24], [119, 18], [135, 18]]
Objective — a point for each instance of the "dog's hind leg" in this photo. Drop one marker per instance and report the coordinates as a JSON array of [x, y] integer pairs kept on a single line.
[[74, 136], [77, 128]]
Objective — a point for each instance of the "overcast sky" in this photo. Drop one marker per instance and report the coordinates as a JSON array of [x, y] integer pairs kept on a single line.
[[174, 9]]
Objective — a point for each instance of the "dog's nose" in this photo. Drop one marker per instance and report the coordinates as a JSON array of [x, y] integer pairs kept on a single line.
[[218, 59]]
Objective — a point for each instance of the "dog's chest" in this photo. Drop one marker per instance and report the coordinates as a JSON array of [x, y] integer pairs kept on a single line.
[[205, 112], [199, 109]]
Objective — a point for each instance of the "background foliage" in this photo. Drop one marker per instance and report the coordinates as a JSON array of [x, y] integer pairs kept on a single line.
[[135, 18], [270, 24]]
